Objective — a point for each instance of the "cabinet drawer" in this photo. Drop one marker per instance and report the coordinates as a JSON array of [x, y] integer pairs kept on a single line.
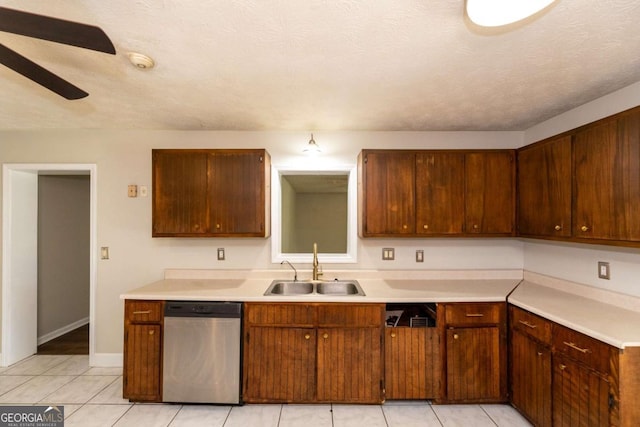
[[473, 313], [280, 314], [138, 311], [582, 348], [351, 315], [531, 324]]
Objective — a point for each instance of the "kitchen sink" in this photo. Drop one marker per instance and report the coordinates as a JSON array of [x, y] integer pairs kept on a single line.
[[329, 288]]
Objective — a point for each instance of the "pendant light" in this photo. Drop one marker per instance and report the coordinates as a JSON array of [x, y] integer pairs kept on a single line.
[[312, 147], [496, 13]]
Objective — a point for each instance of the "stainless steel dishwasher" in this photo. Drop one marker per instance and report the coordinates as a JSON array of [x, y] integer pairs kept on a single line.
[[201, 359]]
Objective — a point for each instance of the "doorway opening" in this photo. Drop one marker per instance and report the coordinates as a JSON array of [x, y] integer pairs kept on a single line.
[[20, 258]]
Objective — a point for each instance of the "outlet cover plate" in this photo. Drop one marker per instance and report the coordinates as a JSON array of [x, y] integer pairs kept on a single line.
[[603, 270]]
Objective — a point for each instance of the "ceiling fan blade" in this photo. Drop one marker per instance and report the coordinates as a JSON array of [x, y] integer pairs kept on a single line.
[[55, 30], [42, 76]]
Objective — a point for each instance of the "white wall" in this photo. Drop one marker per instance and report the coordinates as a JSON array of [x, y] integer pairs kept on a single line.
[[578, 262], [124, 224]]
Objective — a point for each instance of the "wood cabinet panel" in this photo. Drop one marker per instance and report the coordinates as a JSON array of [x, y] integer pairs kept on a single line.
[[531, 378], [412, 363], [530, 324], [582, 348], [490, 192], [211, 193], [473, 313], [544, 188], [371, 315], [282, 364], [440, 193], [580, 395], [473, 364], [388, 205], [142, 352], [280, 314], [350, 365], [180, 185]]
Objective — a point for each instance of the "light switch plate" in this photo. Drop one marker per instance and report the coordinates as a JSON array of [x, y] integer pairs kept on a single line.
[[419, 255], [388, 254], [220, 254], [603, 270]]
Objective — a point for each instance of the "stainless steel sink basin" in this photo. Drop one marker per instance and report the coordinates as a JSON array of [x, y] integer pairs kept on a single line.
[[279, 287], [329, 288], [339, 288]]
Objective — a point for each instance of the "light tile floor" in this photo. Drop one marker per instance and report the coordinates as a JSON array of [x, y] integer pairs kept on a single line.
[[93, 397]]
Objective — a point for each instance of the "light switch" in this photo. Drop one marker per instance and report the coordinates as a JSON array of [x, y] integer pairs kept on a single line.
[[419, 255], [143, 191], [104, 252], [603, 270], [220, 254], [388, 254]]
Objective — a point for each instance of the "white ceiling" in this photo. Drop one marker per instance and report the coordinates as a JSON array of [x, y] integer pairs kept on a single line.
[[323, 64]]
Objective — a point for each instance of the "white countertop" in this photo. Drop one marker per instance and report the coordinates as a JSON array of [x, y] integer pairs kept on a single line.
[[575, 306], [375, 290]]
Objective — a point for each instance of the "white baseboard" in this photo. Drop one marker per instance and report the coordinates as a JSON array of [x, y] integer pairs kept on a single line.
[[106, 360], [61, 331]]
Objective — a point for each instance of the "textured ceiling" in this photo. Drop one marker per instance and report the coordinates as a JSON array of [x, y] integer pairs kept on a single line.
[[317, 64]]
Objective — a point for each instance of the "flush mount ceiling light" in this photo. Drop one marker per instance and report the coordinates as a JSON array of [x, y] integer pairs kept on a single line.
[[312, 147], [140, 60], [495, 13]]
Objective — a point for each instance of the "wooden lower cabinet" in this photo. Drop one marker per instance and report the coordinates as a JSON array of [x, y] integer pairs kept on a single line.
[[142, 364], [474, 345], [299, 352], [580, 395], [531, 378], [283, 364], [412, 363]]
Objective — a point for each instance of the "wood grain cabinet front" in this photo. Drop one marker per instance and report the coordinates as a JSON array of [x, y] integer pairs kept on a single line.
[[301, 353], [211, 193], [142, 364], [474, 348]]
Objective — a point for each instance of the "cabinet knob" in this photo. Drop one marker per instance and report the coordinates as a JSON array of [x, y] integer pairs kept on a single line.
[[404, 226], [151, 332], [584, 228], [426, 226], [393, 334], [563, 367], [197, 226], [456, 336], [558, 227], [218, 226], [325, 336], [539, 353], [476, 226], [307, 336]]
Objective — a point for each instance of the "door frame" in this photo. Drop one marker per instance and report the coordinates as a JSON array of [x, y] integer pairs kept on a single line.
[[10, 302]]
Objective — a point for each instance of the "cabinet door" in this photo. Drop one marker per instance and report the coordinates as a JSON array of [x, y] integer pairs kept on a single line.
[[439, 193], [544, 188], [142, 357], [350, 365], [180, 185], [580, 396], [606, 185], [490, 192], [238, 193], [389, 195], [531, 378], [411, 364], [473, 364], [279, 364]]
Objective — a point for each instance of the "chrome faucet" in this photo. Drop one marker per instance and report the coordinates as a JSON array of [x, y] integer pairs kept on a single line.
[[316, 273], [295, 272]]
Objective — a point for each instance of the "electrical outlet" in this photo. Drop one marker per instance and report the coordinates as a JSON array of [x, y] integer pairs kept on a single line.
[[132, 190], [388, 254], [419, 255], [143, 191], [220, 254], [603, 270]]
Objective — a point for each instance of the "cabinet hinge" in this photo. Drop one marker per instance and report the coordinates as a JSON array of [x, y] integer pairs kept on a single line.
[[260, 159], [365, 159]]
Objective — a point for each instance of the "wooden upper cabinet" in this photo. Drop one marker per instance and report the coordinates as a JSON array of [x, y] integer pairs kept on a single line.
[[606, 187], [207, 193], [490, 192], [388, 193], [180, 182], [544, 188], [439, 193]]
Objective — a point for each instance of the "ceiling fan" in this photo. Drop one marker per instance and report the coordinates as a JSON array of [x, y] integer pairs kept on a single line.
[[55, 30]]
